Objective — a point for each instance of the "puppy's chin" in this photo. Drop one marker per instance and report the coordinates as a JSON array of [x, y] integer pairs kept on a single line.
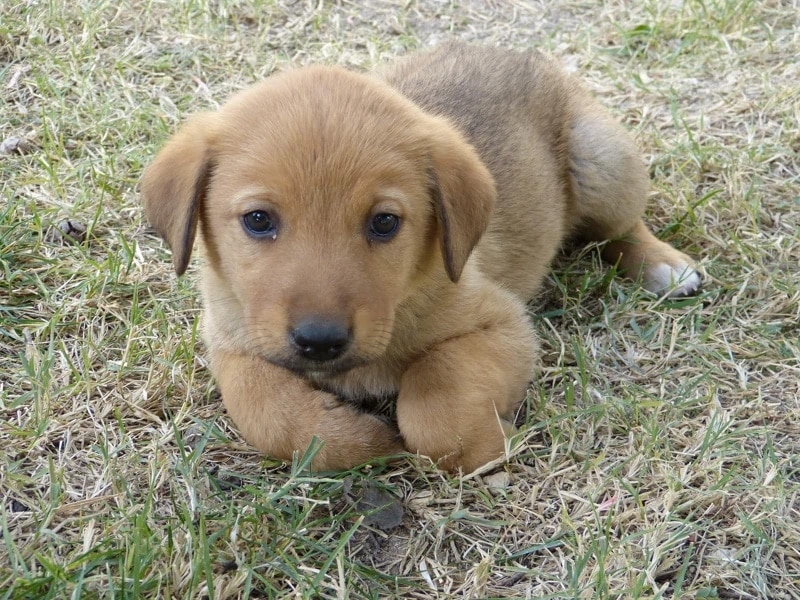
[[310, 369]]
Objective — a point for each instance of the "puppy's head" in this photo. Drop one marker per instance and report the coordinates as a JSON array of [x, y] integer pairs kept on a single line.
[[324, 199]]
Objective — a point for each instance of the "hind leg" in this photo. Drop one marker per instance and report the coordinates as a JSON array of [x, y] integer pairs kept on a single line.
[[609, 183]]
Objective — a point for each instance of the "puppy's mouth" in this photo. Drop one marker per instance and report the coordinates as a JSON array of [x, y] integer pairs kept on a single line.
[[312, 369]]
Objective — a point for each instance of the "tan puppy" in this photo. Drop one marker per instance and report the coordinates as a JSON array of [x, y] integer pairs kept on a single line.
[[370, 238]]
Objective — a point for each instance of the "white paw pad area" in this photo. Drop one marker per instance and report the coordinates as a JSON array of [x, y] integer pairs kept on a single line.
[[677, 280]]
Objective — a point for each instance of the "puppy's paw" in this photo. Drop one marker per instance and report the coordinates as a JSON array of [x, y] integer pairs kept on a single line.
[[352, 437], [676, 279]]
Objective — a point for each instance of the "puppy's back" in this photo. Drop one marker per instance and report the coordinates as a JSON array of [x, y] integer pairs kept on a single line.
[[488, 93]]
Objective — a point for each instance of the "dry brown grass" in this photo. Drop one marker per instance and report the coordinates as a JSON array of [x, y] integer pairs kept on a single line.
[[660, 455]]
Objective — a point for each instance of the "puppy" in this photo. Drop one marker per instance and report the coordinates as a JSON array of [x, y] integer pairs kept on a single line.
[[371, 238]]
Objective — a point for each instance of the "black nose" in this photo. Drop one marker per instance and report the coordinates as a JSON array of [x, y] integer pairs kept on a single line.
[[320, 340]]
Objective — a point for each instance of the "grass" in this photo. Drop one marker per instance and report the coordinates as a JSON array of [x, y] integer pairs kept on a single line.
[[659, 455]]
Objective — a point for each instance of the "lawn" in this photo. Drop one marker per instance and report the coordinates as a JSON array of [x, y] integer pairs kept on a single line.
[[660, 456]]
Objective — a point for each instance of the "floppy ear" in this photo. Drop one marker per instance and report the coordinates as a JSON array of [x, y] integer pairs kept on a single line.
[[174, 187], [464, 195]]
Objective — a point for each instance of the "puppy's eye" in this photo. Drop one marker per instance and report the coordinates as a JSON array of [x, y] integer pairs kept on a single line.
[[260, 224], [383, 226]]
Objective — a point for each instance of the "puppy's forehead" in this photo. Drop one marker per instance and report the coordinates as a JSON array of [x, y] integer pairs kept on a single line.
[[324, 126]]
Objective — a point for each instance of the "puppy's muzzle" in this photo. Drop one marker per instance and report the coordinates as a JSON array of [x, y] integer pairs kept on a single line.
[[320, 340]]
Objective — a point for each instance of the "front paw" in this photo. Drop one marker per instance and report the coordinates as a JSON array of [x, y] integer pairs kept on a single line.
[[352, 437]]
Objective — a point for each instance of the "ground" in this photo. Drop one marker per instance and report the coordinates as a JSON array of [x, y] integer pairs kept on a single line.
[[658, 456]]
